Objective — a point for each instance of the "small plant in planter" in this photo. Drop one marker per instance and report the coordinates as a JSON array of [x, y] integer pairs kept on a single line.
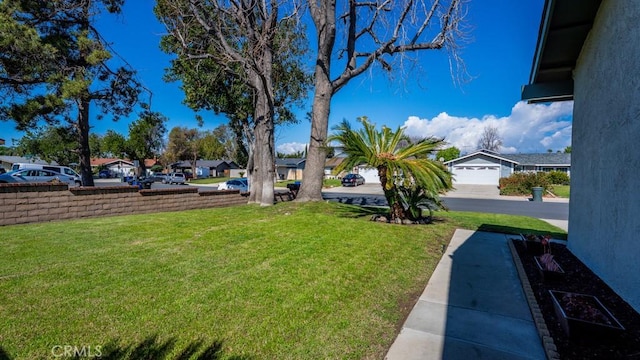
[[582, 315], [549, 267], [533, 244]]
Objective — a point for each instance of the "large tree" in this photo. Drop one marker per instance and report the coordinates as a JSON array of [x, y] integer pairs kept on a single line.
[[490, 139], [146, 138], [368, 33], [447, 154], [54, 67], [401, 163], [50, 143], [230, 52]]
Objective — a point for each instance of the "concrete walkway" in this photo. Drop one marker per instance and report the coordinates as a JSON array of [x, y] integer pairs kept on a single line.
[[472, 308]]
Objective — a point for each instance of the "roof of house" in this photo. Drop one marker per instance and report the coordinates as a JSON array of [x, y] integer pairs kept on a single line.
[[290, 162], [19, 159], [563, 30], [203, 163], [108, 161], [538, 159], [333, 162]]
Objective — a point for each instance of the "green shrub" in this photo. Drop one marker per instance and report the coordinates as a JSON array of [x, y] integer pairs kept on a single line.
[[558, 178], [521, 183]]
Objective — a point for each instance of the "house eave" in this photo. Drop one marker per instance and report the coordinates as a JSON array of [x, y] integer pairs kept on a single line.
[[479, 153], [564, 28]]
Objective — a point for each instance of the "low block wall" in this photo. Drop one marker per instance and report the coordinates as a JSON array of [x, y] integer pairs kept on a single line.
[[31, 203]]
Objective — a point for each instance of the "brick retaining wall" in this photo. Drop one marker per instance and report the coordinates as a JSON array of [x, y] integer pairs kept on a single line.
[[31, 203]]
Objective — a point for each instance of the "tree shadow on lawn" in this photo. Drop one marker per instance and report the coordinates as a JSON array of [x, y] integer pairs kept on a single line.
[[356, 211], [153, 348]]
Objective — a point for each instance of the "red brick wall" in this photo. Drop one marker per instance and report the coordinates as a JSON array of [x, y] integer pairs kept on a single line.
[[30, 203]]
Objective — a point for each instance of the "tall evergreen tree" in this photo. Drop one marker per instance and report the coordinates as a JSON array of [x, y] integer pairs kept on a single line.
[[54, 67]]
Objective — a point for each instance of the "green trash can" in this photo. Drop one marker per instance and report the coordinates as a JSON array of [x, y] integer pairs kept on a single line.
[[537, 193]]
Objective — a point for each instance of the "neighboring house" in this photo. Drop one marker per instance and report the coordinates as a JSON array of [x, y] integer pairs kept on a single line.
[[369, 174], [330, 164], [118, 167], [7, 161], [290, 168], [207, 168], [588, 52], [217, 168], [2, 142], [485, 167]]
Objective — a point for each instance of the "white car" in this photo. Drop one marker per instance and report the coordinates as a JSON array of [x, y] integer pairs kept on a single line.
[[241, 184], [35, 176]]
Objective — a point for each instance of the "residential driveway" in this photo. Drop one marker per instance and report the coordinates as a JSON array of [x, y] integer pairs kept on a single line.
[[474, 191]]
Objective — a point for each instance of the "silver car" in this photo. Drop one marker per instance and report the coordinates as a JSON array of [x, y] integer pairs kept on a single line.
[[175, 178], [35, 176]]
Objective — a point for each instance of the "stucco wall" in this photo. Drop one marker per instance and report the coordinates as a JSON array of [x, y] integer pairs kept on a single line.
[[604, 213]]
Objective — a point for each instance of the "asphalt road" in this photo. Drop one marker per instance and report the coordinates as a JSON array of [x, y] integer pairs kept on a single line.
[[542, 210]]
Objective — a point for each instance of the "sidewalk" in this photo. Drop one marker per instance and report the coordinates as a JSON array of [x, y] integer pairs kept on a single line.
[[472, 308]]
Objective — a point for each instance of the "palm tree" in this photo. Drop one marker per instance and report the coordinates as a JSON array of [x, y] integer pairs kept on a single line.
[[400, 161]]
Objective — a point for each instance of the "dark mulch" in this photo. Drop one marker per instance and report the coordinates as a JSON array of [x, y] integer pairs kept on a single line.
[[579, 279]]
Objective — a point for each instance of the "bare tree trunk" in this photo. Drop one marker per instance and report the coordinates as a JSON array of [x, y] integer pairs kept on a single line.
[[264, 152], [251, 164], [323, 14], [85, 152]]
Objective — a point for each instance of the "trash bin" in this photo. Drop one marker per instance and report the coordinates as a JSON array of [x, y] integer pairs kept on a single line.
[[537, 193]]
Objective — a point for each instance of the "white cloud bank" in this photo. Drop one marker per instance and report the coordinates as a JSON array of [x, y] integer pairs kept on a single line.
[[528, 129], [290, 148]]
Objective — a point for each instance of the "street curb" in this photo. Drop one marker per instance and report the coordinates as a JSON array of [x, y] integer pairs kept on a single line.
[[550, 348]]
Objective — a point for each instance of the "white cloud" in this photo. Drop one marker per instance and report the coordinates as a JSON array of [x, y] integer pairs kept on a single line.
[[528, 129], [290, 148]]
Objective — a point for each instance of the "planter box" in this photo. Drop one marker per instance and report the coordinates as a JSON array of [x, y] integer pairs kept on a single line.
[[549, 275], [582, 315], [533, 245]]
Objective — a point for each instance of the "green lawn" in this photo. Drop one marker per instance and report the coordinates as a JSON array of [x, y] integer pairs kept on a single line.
[[292, 281], [325, 183], [561, 190]]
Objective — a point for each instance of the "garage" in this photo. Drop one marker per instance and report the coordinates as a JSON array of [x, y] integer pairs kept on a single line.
[[370, 175], [476, 174]]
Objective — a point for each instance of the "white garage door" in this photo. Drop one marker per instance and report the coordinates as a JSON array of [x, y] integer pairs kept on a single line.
[[370, 175], [477, 175]]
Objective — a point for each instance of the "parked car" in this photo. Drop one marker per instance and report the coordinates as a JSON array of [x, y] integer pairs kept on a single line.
[[105, 174], [352, 180], [175, 178], [35, 176], [158, 176], [241, 184], [67, 171]]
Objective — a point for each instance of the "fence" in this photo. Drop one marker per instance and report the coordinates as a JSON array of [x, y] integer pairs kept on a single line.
[[31, 203]]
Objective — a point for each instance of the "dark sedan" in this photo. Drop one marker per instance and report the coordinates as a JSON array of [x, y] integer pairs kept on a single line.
[[352, 180]]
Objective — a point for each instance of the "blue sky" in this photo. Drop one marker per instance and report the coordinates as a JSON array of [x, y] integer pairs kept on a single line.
[[426, 101]]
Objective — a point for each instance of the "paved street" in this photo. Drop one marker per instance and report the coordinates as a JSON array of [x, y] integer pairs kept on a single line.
[[467, 198]]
